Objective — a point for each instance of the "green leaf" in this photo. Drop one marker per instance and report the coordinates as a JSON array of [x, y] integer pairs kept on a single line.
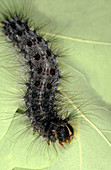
[[84, 27]]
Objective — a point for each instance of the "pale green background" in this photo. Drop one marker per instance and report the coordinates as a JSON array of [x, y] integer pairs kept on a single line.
[[84, 27]]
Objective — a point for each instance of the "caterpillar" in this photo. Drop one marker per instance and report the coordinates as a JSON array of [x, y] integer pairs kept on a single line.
[[41, 95], [43, 81], [43, 105]]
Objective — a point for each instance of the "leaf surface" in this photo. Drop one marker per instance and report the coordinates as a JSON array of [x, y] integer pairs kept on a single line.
[[84, 27]]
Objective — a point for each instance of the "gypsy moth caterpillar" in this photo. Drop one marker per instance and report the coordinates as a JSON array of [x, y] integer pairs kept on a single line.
[[20, 125], [44, 74]]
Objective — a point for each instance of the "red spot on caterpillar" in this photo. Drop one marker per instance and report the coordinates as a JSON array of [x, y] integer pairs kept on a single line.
[[52, 71], [34, 39], [39, 70], [49, 86], [19, 33], [37, 83], [29, 43], [37, 56]]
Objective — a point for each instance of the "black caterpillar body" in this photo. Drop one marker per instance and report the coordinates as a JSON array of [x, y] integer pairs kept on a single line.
[[44, 78]]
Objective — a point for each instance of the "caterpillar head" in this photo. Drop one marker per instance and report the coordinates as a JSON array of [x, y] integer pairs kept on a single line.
[[64, 133]]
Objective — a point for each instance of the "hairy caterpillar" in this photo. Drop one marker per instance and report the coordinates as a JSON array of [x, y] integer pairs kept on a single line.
[[44, 79], [41, 94], [20, 120]]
